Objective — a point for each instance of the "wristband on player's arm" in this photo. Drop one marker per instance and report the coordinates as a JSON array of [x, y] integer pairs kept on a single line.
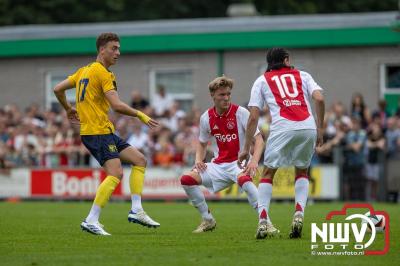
[[143, 117]]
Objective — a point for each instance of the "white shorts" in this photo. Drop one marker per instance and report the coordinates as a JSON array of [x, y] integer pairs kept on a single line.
[[216, 177], [290, 148]]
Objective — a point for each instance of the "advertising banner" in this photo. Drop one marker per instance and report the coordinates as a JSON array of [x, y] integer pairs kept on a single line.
[[160, 183]]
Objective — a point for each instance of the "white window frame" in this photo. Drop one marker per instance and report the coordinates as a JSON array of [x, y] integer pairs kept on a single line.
[[382, 80], [50, 97], [153, 83]]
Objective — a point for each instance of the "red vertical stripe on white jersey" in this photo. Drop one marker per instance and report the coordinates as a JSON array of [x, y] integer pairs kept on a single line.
[[286, 86], [224, 128]]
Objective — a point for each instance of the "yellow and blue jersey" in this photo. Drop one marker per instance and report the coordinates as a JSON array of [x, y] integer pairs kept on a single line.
[[91, 83]]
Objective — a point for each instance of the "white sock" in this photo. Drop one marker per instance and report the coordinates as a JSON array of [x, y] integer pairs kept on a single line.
[[301, 194], [94, 214], [197, 198], [136, 203], [264, 199], [252, 193]]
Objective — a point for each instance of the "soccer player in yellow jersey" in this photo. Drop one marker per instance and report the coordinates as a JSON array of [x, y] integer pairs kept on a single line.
[[96, 92]]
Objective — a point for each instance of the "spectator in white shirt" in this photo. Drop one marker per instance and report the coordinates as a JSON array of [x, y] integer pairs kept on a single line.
[[161, 101]]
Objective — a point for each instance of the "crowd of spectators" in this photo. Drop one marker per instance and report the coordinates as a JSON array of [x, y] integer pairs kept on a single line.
[[362, 140], [44, 138]]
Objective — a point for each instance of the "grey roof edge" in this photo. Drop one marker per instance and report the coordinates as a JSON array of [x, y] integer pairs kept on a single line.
[[201, 25]]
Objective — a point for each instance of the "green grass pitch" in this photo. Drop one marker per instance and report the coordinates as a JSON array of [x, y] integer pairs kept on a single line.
[[48, 233]]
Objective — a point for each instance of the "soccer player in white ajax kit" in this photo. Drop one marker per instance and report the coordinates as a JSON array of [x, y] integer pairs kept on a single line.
[[224, 124], [293, 133]]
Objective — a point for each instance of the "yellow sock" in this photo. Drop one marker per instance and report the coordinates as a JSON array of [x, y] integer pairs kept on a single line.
[[105, 190], [136, 180]]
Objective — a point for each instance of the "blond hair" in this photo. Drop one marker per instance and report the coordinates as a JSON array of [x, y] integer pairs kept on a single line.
[[220, 82]]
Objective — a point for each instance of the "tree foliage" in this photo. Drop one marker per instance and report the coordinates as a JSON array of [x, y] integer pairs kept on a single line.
[[17, 12]]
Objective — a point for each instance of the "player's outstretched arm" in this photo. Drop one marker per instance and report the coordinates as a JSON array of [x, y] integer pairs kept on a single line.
[[250, 130], [59, 91], [120, 107], [320, 111], [258, 150], [200, 155]]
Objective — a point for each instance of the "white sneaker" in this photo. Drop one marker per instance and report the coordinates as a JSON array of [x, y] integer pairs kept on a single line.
[[142, 218], [206, 225], [297, 225], [266, 229], [94, 228]]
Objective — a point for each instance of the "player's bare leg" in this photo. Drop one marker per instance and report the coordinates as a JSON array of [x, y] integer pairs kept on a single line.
[[265, 226], [190, 182], [136, 180], [301, 194]]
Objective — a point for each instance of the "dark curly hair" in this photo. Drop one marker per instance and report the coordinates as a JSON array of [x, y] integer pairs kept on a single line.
[[275, 58]]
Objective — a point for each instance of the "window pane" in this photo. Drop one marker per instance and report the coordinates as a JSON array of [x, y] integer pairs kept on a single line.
[[185, 105], [179, 85], [393, 77], [176, 83], [51, 99], [70, 94]]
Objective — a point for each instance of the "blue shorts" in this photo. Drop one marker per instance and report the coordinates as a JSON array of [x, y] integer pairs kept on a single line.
[[104, 147]]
